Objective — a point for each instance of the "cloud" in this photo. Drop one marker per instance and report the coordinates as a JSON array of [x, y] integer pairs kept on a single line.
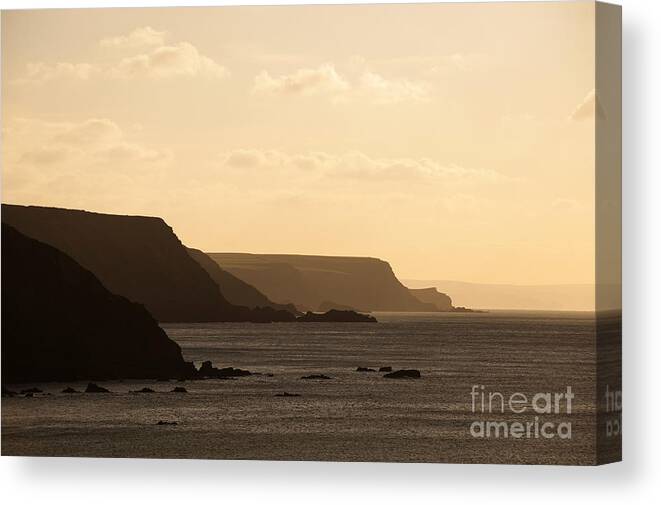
[[89, 142], [383, 91], [38, 72], [349, 166], [325, 80], [589, 108], [162, 61], [128, 152], [182, 59], [90, 133], [242, 158], [46, 155], [145, 36], [305, 81]]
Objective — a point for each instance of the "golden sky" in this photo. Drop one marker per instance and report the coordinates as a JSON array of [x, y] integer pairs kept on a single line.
[[455, 141]]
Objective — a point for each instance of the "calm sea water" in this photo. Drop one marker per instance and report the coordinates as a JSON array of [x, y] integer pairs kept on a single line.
[[352, 417]]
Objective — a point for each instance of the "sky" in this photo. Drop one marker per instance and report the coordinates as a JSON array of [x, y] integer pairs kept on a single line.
[[455, 141]]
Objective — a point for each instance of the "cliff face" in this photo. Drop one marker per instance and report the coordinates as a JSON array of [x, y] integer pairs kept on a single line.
[[234, 289], [137, 257], [367, 284], [60, 323], [441, 301]]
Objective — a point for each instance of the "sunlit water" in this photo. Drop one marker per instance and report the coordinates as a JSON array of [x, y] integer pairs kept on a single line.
[[353, 416]]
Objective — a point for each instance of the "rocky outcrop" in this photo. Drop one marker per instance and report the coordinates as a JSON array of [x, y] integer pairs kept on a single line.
[[139, 258], [236, 291], [60, 323], [336, 316], [403, 374], [316, 376], [440, 301], [310, 281], [94, 388], [208, 371], [31, 391]]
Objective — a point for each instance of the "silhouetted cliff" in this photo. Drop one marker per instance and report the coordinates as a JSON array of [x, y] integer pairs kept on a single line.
[[441, 301], [234, 289], [310, 281], [137, 257], [60, 323]]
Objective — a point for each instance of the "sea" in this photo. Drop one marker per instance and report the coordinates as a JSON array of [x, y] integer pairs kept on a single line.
[[460, 410]]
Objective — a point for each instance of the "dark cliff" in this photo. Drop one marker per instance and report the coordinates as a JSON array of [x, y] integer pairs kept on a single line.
[[234, 289], [441, 301], [137, 257], [60, 323], [316, 282]]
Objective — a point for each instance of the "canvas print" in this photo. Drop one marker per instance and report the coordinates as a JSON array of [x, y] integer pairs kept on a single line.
[[382, 233]]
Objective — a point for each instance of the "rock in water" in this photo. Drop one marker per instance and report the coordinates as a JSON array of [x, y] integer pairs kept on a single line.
[[403, 374], [93, 388], [179, 389], [336, 316], [144, 390], [31, 390], [69, 390], [364, 369], [385, 369], [166, 423], [287, 395], [207, 370], [59, 323], [316, 376]]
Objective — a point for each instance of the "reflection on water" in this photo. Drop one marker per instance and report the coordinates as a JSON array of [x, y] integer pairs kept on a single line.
[[354, 416]]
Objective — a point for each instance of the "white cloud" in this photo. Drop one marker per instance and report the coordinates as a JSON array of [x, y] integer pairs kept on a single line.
[[352, 165], [145, 36], [84, 143], [589, 108], [182, 59], [305, 81], [326, 81], [382, 90], [38, 72], [162, 61], [91, 132], [86, 164]]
